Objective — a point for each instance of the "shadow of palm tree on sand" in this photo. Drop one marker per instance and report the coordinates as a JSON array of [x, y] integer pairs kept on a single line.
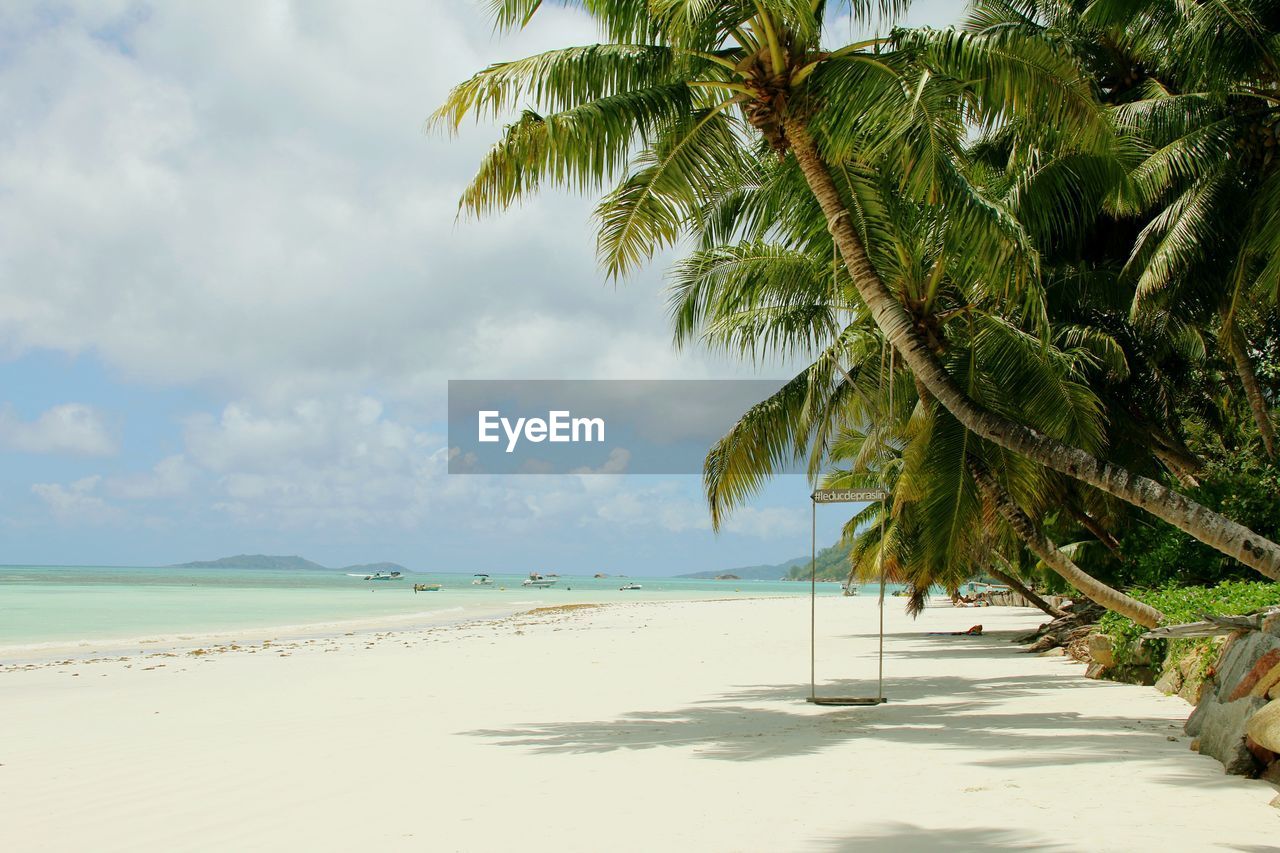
[[766, 721]]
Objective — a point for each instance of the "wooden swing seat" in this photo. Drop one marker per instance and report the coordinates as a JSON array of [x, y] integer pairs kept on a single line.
[[846, 700]]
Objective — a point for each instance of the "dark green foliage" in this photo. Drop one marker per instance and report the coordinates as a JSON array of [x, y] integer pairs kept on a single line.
[[1242, 488]]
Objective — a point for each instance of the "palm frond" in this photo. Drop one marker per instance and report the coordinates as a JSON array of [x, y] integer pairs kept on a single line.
[[582, 148], [671, 178], [562, 79]]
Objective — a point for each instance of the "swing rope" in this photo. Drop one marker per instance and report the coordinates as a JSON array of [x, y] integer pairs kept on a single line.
[[883, 512], [813, 537]]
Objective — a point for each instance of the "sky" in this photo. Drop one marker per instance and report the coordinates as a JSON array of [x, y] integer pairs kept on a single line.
[[233, 288]]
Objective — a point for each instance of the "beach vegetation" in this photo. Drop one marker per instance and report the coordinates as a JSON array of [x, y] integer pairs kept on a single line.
[[1181, 604]]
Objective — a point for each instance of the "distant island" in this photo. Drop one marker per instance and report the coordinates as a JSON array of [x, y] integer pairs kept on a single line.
[[832, 565], [753, 573], [276, 563]]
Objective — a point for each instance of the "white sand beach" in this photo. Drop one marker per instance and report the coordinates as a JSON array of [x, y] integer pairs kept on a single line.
[[638, 726]]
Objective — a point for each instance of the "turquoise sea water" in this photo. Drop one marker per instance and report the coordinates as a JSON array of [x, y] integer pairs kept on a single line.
[[63, 605]]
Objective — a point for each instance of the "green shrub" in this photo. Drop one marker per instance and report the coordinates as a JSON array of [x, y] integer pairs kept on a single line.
[[1184, 604]]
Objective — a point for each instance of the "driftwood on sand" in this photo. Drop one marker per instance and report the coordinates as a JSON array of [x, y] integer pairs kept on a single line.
[[1067, 631]]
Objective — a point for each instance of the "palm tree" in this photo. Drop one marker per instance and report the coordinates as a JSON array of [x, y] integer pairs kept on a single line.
[[1197, 86], [1211, 118], [853, 408], [687, 85]]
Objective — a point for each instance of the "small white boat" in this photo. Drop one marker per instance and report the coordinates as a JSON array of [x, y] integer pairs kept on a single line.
[[482, 580], [538, 580], [378, 576], [631, 585]]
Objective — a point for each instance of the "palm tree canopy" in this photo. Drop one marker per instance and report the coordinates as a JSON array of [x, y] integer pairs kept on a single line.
[[664, 114]]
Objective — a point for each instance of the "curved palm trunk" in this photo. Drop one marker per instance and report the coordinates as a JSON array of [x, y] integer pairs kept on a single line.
[[1022, 590], [1099, 532], [1112, 599], [1218, 531], [1252, 390]]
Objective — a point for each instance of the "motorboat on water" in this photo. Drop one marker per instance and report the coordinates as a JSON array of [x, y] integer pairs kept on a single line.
[[481, 580], [427, 587], [632, 585], [378, 576], [538, 580]]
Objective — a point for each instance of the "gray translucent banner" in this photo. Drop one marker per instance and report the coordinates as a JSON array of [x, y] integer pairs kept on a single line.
[[593, 426]]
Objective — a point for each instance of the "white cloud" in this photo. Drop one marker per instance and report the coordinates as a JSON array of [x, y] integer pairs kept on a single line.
[[320, 463], [348, 467], [70, 428], [773, 522], [170, 477], [316, 462], [667, 506], [616, 463], [645, 508], [242, 194], [76, 502]]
